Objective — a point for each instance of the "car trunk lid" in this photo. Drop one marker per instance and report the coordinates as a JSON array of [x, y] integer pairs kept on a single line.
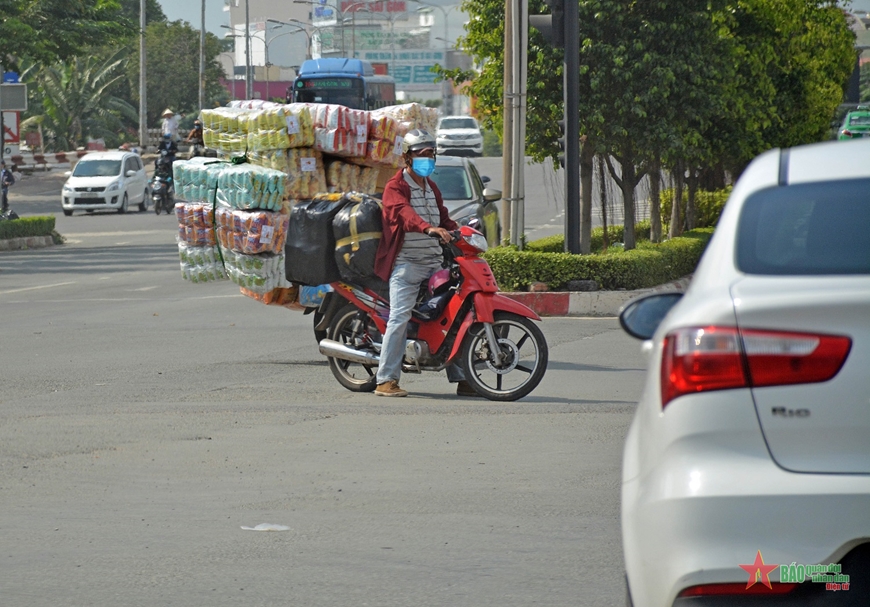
[[820, 426]]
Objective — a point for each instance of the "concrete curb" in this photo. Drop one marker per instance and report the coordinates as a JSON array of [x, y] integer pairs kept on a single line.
[[26, 242], [594, 303]]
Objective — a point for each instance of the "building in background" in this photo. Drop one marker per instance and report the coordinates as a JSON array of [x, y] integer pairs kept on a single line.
[[403, 38]]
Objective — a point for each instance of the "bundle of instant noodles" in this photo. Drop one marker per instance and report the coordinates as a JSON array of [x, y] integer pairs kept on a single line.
[[339, 130], [251, 232], [279, 127], [200, 263]]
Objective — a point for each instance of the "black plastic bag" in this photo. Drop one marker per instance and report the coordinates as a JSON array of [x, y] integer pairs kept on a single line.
[[357, 229], [310, 249]]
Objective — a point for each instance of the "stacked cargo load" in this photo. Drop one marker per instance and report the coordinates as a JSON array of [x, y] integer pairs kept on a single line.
[[267, 223], [243, 226]]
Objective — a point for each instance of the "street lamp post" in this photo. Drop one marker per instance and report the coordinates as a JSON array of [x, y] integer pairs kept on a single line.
[[339, 17], [445, 84], [233, 79], [298, 29]]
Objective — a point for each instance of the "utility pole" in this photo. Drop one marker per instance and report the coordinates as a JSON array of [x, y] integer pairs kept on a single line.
[[202, 59], [507, 127], [143, 104]]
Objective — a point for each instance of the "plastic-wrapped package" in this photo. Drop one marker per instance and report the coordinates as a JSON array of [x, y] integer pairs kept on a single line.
[[251, 232], [195, 180], [200, 263], [248, 186], [312, 296], [282, 296], [346, 177], [279, 127], [306, 176], [258, 273], [339, 130]]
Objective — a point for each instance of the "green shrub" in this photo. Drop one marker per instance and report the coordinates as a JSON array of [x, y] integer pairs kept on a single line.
[[27, 226], [556, 243], [646, 266], [709, 205], [491, 144]]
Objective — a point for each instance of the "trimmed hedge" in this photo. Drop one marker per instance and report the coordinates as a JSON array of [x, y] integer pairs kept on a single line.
[[27, 226], [556, 243], [646, 266]]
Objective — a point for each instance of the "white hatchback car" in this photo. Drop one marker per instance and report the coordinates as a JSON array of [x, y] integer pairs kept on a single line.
[[746, 469], [458, 135], [106, 180]]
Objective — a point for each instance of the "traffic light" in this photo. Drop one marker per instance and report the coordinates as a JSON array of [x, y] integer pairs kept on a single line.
[[551, 26], [562, 143]]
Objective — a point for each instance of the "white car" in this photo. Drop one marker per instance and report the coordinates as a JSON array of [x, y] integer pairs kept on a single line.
[[458, 135], [746, 469], [106, 180]]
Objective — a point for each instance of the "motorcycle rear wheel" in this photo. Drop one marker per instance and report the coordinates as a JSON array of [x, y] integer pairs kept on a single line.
[[524, 361], [354, 329]]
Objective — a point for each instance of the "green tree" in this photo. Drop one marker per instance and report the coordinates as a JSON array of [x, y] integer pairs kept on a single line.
[[172, 55], [50, 30], [71, 101]]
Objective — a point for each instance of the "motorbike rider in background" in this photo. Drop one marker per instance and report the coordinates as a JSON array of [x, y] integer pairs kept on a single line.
[[169, 145], [407, 254], [194, 137]]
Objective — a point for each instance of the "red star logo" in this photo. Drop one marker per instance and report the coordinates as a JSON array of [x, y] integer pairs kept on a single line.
[[759, 569]]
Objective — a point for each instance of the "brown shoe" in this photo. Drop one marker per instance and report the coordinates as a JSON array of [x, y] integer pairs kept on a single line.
[[464, 388], [390, 388]]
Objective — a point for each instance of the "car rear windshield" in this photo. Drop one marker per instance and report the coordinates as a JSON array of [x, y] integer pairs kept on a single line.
[[859, 119], [458, 123], [97, 168], [812, 229], [453, 183]]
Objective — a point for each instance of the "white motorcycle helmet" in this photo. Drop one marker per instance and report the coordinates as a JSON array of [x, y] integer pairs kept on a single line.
[[417, 139]]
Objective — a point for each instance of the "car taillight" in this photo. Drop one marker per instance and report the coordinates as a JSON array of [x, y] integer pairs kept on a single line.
[[847, 132], [700, 359], [736, 589]]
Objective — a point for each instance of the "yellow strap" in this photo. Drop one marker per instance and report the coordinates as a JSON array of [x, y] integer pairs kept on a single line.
[[354, 240]]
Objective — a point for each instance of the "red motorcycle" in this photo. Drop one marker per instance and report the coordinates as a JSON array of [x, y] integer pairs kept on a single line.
[[460, 318]]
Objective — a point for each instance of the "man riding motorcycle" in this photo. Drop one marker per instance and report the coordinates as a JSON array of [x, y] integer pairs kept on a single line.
[[194, 137]]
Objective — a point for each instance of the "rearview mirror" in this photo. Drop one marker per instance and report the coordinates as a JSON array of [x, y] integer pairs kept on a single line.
[[641, 317], [131, 173], [491, 195]]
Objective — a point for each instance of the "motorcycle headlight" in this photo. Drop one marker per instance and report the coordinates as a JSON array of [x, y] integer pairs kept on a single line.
[[477, 241], [112, 187]]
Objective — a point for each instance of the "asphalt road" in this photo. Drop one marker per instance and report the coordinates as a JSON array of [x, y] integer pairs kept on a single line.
[[145, 420]]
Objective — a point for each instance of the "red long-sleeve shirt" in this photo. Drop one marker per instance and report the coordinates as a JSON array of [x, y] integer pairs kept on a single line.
[[399, 217]]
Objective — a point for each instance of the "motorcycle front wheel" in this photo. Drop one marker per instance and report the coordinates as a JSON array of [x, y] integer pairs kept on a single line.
[[519, 366], [355, 330]]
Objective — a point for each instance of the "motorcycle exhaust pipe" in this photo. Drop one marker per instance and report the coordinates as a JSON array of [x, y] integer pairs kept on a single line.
[[334, 349]]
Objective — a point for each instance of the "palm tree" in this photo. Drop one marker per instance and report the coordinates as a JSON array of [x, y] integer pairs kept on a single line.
[[73, 100]]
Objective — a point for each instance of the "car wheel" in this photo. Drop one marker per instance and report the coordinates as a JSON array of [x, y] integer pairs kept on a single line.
[[67, 212], [143, 206], [124, 202]]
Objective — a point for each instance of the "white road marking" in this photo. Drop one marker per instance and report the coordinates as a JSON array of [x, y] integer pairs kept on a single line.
[[60, 284]]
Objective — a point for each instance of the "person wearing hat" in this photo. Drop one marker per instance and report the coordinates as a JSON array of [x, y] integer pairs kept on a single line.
[[170, 124], [6, 180], [408, 253]]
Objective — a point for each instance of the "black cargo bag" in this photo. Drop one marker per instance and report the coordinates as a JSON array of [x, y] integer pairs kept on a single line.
[[357, 229], [310, 249]]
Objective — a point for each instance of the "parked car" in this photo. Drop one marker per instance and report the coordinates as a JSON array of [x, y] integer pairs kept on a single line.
[[747, 464], [466, 196], [106, 180], [459, 135], [856, 124]]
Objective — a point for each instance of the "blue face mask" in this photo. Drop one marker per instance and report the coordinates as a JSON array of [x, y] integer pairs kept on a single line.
[[423, 166]]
